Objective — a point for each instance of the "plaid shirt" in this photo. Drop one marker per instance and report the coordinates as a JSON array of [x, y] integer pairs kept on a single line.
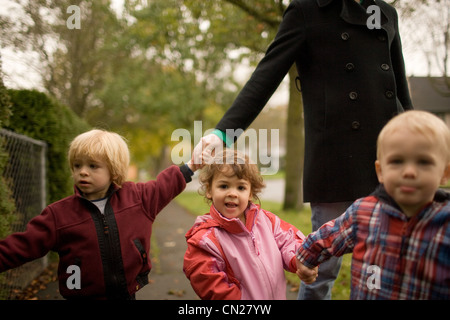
[[394, 257]]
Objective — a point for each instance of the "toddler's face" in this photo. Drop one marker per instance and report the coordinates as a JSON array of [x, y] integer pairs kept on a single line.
[[411, 169], [92, 177], [230, 195]]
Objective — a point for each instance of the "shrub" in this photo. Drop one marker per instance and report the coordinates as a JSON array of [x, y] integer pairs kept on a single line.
[[40, 117]]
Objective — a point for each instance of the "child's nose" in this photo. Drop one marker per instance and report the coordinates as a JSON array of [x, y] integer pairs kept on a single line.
[[83, 171], [410, 171]]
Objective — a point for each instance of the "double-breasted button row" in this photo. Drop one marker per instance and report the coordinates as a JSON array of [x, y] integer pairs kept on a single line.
[[354, 95], [345, 36], [350, 67]]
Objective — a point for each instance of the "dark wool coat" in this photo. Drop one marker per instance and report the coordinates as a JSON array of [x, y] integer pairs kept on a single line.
[[352, 80]]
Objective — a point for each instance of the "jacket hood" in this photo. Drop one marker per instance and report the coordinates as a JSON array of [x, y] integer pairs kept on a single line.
[[380, 193]]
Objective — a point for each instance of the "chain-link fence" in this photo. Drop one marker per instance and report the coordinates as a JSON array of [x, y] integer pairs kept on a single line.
[[25, 176]]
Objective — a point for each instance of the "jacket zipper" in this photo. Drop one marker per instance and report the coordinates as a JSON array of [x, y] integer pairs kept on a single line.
[[254, 243], [262, 265], [110, 253], [111, 257], [111, 262], [105, 225]]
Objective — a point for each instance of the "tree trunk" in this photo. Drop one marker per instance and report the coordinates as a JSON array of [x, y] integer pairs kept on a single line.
[[295, 146]]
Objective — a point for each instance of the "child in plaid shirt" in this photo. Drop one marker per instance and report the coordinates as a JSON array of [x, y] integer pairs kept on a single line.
[[400, 234]]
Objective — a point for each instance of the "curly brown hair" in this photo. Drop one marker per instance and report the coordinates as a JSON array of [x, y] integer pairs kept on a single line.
[[231, 163]]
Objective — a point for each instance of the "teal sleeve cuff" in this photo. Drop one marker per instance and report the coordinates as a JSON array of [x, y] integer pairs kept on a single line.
[[222, 135]]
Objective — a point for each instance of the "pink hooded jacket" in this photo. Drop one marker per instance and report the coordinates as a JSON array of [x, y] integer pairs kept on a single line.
[[226, 259]]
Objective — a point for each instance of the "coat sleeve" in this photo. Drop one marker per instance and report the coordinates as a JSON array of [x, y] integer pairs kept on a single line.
[[269, 73], [288, 239], [399, 68], [207, 270], [36, 241], [159, 192], [334, 238]]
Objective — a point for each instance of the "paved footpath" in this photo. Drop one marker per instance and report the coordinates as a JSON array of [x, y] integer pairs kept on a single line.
[[167, 280]]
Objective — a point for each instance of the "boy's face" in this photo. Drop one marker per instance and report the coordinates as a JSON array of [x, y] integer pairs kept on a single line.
[[92, 177], [230, 195], [411, 169]]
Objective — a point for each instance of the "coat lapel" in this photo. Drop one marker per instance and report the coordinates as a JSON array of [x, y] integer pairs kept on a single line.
[[353, 13], [387, 22]]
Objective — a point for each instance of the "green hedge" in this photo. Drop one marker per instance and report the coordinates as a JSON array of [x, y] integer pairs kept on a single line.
[[7, 206], [36, 115]]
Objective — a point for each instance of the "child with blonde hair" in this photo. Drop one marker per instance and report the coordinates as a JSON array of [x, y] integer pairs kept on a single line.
[[238, 250], [102, 232], [400, 234]]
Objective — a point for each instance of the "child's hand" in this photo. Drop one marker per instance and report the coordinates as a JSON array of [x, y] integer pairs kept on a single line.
[[208, 143], [192, 166], [206, 157], [307, 275]]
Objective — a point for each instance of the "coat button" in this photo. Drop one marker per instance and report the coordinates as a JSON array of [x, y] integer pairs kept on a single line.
[[349, 66], [345, 36], [353, 95], [385, 67], [382, 38], [389, 94], [356, 125]]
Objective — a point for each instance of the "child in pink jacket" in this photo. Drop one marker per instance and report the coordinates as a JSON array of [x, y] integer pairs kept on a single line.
[[238, 250]]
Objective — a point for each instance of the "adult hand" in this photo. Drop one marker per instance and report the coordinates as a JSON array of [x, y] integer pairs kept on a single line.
[[206, 148]]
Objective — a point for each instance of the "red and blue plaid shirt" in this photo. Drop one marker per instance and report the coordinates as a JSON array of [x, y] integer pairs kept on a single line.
[[394, 257]]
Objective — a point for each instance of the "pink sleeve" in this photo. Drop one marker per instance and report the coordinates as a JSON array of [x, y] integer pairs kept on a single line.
[[288, 239]]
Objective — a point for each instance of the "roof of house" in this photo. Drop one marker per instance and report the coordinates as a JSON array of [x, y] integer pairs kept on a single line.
[[430, 94]]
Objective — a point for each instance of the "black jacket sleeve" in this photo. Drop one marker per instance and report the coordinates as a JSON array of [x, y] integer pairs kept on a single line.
[[269, 73]]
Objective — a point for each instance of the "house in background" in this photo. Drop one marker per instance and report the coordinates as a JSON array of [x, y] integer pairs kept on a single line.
[[431, 94]]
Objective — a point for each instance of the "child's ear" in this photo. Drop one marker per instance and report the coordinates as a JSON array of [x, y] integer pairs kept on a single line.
[[378, 171], [446, 174]]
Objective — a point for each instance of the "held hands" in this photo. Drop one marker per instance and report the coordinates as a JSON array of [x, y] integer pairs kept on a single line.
[[307, 275], [204, 151]]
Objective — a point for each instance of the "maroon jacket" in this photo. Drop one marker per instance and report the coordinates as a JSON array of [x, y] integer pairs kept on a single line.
[[111, 249]]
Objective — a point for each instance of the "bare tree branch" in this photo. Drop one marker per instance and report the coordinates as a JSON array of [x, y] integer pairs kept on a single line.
[[272, 22]]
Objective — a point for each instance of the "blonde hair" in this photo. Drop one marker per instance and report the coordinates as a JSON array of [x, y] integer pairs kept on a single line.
[[419, 122], [232, 163], [104, 145]]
